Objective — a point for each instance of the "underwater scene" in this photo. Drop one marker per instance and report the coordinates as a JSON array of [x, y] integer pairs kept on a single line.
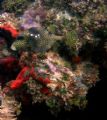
[[53, 58]]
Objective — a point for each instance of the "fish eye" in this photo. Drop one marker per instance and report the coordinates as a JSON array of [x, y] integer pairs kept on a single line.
[[36, 36], [31, 35]]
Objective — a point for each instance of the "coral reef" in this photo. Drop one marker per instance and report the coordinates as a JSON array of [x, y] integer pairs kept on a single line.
[[50, 50], [48, 80]]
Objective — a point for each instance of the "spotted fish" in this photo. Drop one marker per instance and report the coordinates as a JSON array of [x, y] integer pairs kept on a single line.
[[37, 40]]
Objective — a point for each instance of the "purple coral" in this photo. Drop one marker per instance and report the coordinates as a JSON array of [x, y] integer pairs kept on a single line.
[[33, 18]]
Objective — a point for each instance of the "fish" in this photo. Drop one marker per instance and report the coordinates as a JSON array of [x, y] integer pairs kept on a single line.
[[38, 40]]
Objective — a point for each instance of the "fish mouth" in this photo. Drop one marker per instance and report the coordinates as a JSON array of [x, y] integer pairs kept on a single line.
[[13, 48]]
